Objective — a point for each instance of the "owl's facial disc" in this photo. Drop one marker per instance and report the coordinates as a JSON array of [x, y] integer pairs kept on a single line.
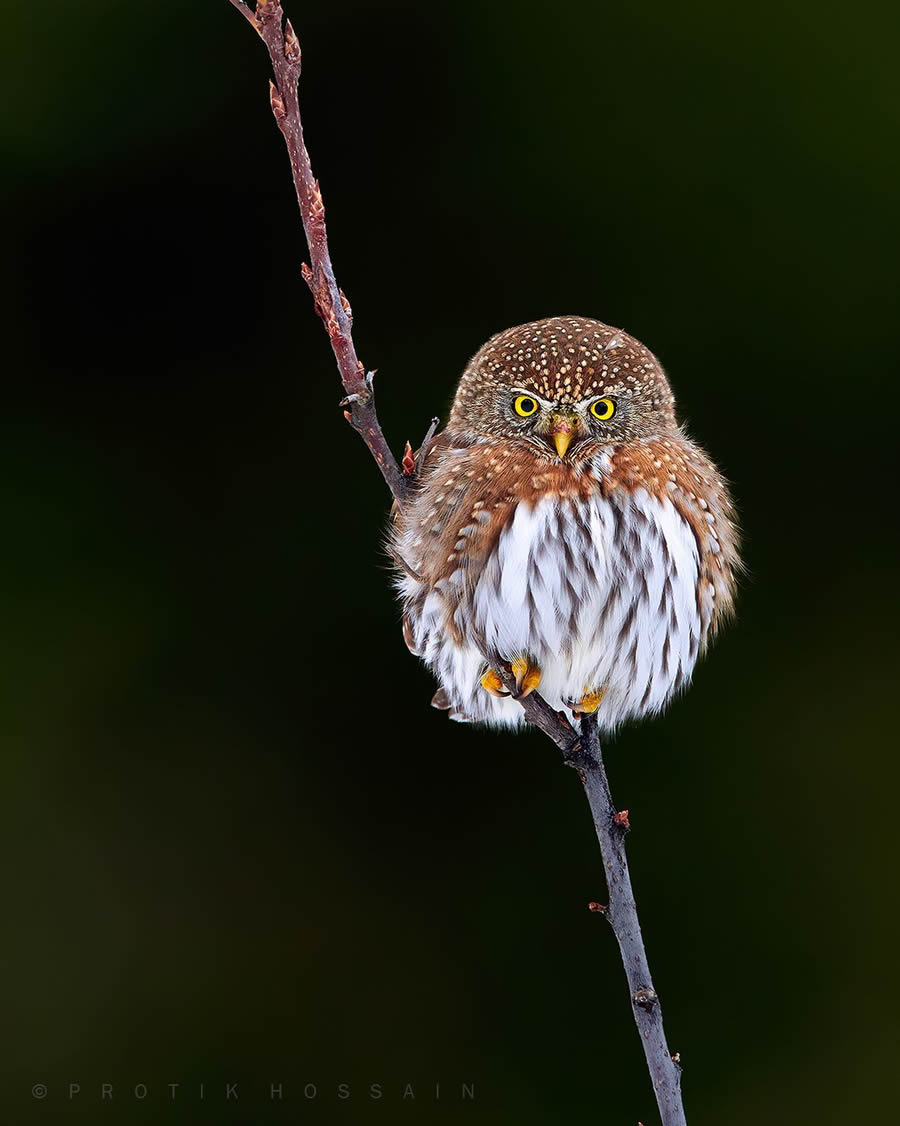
[[556, 427]]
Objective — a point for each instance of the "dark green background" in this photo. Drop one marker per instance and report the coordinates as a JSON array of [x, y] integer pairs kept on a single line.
[[237, 844]]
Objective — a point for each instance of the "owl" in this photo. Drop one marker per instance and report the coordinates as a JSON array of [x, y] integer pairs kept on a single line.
[[564, 524]]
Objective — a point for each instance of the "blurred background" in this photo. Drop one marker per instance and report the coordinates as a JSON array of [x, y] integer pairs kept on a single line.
[[237, 844]]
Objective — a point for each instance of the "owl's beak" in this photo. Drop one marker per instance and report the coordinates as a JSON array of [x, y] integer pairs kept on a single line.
[[562, 431]]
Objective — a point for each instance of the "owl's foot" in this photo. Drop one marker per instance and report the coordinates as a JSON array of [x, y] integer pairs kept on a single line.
[[588, 703], [528, 677], [492, 683]]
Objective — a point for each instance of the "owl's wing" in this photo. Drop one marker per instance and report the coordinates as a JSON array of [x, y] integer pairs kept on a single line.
[[701, 497], [445, 534], [425, 458], [409, 635]]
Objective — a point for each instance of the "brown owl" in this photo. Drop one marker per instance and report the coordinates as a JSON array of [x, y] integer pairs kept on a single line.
[[565, 524]]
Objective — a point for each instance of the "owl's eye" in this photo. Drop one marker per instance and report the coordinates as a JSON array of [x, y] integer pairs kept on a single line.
[[603, 409], [525, 406]]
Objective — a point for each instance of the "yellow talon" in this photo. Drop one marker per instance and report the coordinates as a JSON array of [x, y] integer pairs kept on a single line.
[[589, 703], [528, 676], [492, 683]]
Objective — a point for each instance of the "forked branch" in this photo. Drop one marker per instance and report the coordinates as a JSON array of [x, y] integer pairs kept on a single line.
[[580, 747]]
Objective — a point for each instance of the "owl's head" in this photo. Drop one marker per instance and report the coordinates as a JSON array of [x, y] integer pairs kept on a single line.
[[565, 387]]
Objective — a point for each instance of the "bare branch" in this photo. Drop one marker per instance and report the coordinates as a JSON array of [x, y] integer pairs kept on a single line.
[[428, 439], [331, 304], [246, 13], [611, 828], [580, 747], [537, 711]]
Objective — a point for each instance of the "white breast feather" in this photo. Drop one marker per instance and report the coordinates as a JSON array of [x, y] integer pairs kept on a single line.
[[602, 596]]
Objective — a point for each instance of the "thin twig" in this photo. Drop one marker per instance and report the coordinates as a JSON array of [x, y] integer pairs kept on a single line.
[[427, 440], [538, 712], [580, 747], [621, 912], [331, 304]]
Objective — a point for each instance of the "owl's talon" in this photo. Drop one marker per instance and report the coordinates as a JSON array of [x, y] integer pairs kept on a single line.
[[528, 677], [492, 683], [588, 703]]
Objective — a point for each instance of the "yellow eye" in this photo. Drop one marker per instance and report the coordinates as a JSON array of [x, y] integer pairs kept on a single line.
[[525, 406], [603, 409]]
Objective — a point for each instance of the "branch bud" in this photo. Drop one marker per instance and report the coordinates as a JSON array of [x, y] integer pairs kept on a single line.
[[291, 44], [621, 818], [276, 101], [316, 207], [408, 464], [331, 323], [267, 9], [307, 274], [646, 998], [599, 908], [345, 304]]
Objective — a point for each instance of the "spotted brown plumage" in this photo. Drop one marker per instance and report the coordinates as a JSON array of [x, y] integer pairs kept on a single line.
[[565, 524]]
